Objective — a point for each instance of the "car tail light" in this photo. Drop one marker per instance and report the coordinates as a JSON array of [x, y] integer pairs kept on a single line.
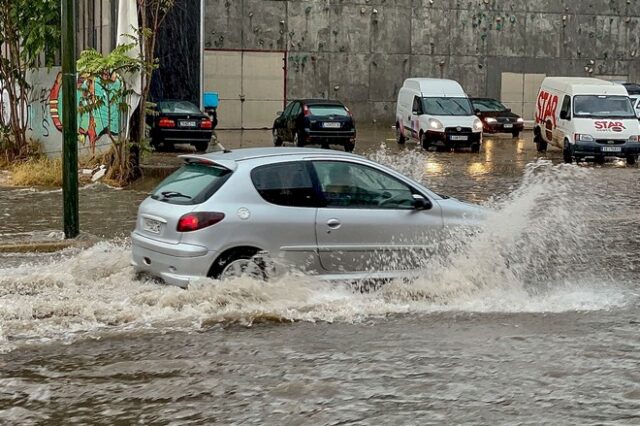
[[348, 112], [305, 110], [206, 124], [194, 221], [166, 122]]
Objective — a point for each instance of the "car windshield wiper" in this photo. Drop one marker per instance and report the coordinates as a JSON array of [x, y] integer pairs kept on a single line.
[[174, 194]]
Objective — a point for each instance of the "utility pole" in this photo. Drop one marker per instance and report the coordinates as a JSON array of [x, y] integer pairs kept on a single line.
[[69, 121]]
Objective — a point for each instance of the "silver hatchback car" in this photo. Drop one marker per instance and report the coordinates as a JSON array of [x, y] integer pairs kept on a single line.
[[322, 212]]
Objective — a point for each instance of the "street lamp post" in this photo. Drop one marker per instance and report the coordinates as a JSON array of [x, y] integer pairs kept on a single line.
[[69, 121]]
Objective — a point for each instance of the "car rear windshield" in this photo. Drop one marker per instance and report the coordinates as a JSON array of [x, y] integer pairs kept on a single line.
[[326, 110], [191, 184], [488, 105], [178, 107], [602, 106], [447, 106]]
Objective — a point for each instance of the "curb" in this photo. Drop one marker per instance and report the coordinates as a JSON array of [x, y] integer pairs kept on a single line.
[[45, 246]]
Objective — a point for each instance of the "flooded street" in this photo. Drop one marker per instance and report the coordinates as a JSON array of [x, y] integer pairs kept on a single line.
[[534, 320]]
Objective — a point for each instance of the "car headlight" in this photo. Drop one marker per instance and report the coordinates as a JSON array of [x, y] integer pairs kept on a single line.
[[490, 120], [477, 125], [435, 124], [634, 138], [520, 120], [583, 138]]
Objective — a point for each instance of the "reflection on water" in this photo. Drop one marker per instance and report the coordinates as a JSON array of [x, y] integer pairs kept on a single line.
[[534, 318]]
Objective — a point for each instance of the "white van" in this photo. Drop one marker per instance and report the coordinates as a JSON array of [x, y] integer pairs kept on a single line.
[[586, 117], [437, 113]]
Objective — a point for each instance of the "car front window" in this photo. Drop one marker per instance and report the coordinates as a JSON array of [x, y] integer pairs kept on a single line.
[[488, 105], [602, 106], [447, 106], [355, 186]]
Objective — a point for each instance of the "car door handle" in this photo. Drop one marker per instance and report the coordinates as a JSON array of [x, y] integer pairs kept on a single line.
[[334, 223]]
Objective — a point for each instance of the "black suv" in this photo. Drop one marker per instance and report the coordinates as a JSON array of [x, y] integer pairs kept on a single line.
[[315, 122]]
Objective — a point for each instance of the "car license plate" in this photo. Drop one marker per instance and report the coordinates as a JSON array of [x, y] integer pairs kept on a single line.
[[611, 149], [188, 123], [151, 225], [331, 125], [508, 126], [458, 138]]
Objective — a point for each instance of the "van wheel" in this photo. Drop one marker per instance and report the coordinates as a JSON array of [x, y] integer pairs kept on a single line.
[[399, 136], [541, 144], [567, 155], [297, 140], [515, 134], [424, 140], [475, 148], [632, 159]]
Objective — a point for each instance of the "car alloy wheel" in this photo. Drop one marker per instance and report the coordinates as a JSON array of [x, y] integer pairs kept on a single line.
[[242, 268]]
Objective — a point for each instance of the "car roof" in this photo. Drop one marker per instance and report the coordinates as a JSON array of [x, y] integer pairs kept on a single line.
[[435, 87], [319, 101], [485, 99], [243, 154]]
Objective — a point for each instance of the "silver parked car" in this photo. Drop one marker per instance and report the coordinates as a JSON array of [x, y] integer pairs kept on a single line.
[[324, 212]]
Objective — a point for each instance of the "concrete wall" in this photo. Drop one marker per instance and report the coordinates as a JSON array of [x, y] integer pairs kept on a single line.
[[360, 51]]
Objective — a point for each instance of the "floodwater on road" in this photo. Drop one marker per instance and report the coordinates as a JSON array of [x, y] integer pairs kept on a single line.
[[534, 320]]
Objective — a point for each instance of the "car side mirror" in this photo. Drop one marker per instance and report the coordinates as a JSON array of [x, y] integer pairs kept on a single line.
[[508, 109], [279, 113], [477, 111], [564, 115], [421, 203], [416, 112]]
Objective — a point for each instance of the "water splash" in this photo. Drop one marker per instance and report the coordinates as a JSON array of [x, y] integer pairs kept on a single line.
[[523, 259]]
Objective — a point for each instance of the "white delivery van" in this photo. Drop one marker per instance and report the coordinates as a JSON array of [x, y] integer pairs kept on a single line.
[[586, 117], [437, 113]]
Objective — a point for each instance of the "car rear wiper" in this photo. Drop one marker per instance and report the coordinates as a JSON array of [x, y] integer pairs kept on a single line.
[[174, 194]]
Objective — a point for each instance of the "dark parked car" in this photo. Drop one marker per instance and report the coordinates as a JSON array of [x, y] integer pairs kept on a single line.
[[315, 121], [180, 122], [497, 118]]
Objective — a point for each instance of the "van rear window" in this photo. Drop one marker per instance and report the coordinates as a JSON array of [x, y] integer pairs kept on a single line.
[[191, 184], [326, 110]]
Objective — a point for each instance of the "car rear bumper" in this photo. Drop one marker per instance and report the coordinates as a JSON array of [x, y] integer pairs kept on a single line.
[[499, 127], [451, 140], [607, 150], [175, 264], [183, 135], [329, 136]]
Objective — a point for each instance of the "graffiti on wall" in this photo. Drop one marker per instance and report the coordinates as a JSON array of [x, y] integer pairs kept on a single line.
[[43, 111], [95, 123]]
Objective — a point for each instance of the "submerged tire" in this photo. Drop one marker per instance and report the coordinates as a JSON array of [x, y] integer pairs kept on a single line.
[[541, 144], [400, 139], [632, 159], [201, 146], [424, 141]]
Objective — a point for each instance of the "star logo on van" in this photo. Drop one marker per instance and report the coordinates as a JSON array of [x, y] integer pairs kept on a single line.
[[459, 129]]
